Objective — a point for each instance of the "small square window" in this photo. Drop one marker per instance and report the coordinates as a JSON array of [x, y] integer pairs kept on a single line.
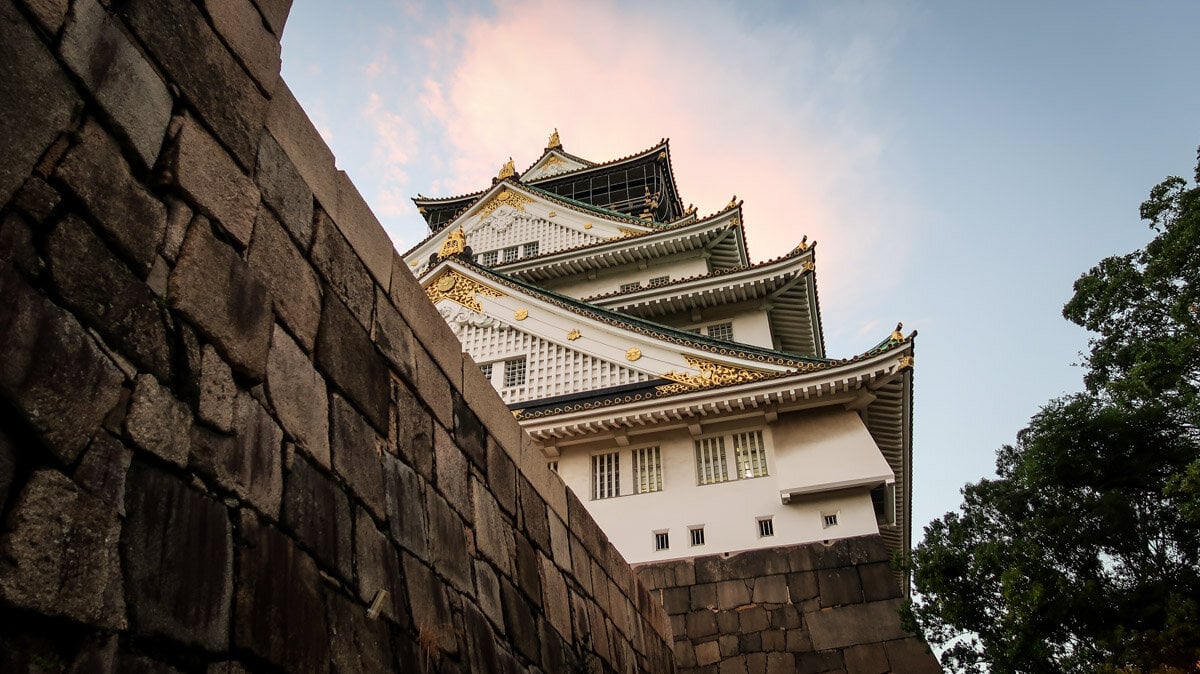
[[766, 527], [630, 287], [511, 253], [514, 372], [659, 281], [722, 331], [530, 249], [489, 258], [697, 534], [828, 520], [552, 465], [486, 369], [662, 540]]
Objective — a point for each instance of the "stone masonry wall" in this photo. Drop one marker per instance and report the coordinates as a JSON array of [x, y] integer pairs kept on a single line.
[[230, 420], [803, 608]]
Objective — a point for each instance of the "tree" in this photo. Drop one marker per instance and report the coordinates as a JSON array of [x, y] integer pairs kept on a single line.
[[1084, 553]]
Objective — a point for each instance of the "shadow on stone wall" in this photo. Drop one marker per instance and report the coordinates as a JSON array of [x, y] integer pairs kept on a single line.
[[230, 420]]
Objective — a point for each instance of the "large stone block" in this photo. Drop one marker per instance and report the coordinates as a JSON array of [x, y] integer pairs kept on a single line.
[[124, 84], [178, 553], [770, 589], [405, 507], [878, 581], [519, 621], [855, 624], [482, 653], [280, 614], [129, 215], [430, 606], [51, 370], [528, 574], [911, 655], [194, 59], [217, 390], [413, 430], [358, 645], [500, 469], [157, 422], [555, 599], [60, 553], [379, 569], [342, 269], [488, 592], [37, 101], [356, 456], [560, 542], [393, 336], [275, 12], [317, 511], [363, 231], [533, 516], [8, 465], [867, 659], [493, 533], [249, 463], [349, 360], [283, 190], [302, 143], [451, 473], [448, 551], [226, 299], [295, 290], [252, 43], [101, 470], [839, 586], [299, 395], [211, 179], [102, 290]]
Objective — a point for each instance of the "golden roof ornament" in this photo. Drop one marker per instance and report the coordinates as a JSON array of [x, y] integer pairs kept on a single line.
[[554, 143], [507, 171], [803, 245], [897, 336], [455, 243], [732, 202]]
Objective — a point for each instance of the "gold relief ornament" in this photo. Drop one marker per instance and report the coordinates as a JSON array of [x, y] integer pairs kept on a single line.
[[506, 197], [905, 362], [711, 374], [455, 243], [574, 335], [633, 354], [587, 225], [808, 265], [507, 171], [897, 335], [554, 141], [553, 160], [521, 314], [625, 231], [460, 289]]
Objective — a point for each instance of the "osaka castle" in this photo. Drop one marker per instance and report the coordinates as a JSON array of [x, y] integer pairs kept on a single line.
[[682, 391]]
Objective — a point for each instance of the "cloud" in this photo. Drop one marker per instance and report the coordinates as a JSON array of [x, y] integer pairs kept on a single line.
[[395, 140]]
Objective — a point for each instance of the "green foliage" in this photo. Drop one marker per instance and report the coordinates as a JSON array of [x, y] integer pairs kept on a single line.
[[1084, 553]]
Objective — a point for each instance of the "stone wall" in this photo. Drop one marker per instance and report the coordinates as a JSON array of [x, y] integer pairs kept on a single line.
[[230, 421], [801, 608]]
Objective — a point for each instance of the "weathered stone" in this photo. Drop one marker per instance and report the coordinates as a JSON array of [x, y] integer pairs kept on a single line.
[[157, 422], [753, 619], [405, 513], [414, 431], [284, 190], [299, 395], [342, 269], [122, 82], [839, 586], [210, 177], [37, 101], [732, 594], [471, 436], [379, 569], [303, 144], [51, 370], [555, 600], [580, 564], [191, 54], [427, 597], [729, 621], [37, 199], [708, 653], [481, 641], [855, 624], [8, 465], [488, 593], [451, 471], [95, 172], [867, 659], [701, 624], [101, 290], [129, 663], [349, 360], [748, 643], [493, 533], [241, 26], [363, 231], [317, 511], [17, 247], [49, 13], [177, 548], [675, 600], [280, 615], [433, 388], [704, 596], [518, 619], [911, 655], [878, 581], [295, 290], [783, 663], [356, 457], [580, 522], [560, 545], [212, 287], [528, 574], [218, 392], [60, 553], [770, 590], [249, 463], [392, 335], [533, 515], [731, 662], [179, 218], [101, 470], [358, 645], [448, 551]]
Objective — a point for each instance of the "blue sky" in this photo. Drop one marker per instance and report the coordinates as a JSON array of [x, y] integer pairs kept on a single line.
[[959, 163]]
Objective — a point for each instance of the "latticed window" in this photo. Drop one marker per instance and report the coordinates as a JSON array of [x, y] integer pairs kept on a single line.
[[606, 475], [659, 281], [512, 253], [489, 258], [766, 527], [710, 461], [647, 470], [697, 534], [514, 372], [828, 520], [721, 331], [750, 455], [630, 287], [486, 369], [662, 540], [530, 249]]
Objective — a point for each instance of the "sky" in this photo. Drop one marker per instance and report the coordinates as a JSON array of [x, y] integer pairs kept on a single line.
[[960, 164]]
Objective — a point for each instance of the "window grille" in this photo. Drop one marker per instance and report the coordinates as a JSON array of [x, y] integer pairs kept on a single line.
[[659, 281], [511, 253], [697, 534], [647, 470], [486, 369], [552, 465], [488, 259], [662, 540], [606, 475], [530, 249], [750, 455], [514, 372], [828, 520], [630, 287], [710, 461], [723, 331], [766, 527]]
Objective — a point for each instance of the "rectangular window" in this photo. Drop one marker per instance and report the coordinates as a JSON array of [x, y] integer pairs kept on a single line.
[[721, 331], [606, 475], [750, 455], [511, 253], [486, 369], [828, 520], [697, 534], [488, 259], [647, 470], [553, 466], [766, 527], [514, 372], [630, 287], [661, 540], [530, 249], [710, 461], [659, 281]]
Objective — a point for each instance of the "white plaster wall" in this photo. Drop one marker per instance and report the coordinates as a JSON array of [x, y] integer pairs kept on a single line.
[[676, 268], [826, 449], [728, 511], [751, 326]]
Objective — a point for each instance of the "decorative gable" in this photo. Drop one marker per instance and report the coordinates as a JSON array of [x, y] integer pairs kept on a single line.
[[506, 227], [552, 164]]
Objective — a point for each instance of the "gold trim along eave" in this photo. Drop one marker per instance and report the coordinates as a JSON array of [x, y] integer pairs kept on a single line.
[[451, 285]]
